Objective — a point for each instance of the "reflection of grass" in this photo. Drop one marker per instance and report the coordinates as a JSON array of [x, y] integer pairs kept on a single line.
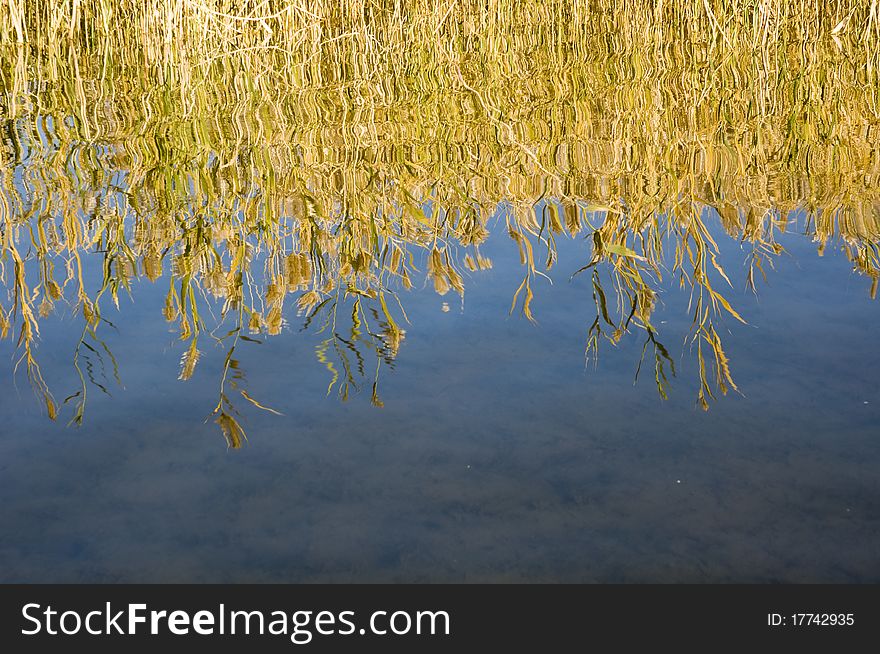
[[250, 152]]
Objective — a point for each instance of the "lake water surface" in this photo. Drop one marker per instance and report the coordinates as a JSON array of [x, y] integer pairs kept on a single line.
[[282, 310]]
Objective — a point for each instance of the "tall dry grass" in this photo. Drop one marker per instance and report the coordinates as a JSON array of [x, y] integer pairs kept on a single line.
[[198, 140]]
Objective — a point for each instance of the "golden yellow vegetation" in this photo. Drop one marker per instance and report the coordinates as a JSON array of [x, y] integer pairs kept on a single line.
[[331, 141]]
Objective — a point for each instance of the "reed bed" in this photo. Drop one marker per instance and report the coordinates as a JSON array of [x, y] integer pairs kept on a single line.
[[279, 157]]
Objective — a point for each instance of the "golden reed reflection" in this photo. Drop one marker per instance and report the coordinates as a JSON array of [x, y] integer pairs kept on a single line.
[[288, 156]]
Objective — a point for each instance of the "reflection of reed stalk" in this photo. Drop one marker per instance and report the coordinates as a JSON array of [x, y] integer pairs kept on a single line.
[[224, 410]]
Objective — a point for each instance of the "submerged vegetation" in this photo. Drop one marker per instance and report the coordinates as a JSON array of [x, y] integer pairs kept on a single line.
[[277, 157]]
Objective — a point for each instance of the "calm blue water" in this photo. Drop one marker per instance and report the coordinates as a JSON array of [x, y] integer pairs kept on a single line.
[[498, 456]]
